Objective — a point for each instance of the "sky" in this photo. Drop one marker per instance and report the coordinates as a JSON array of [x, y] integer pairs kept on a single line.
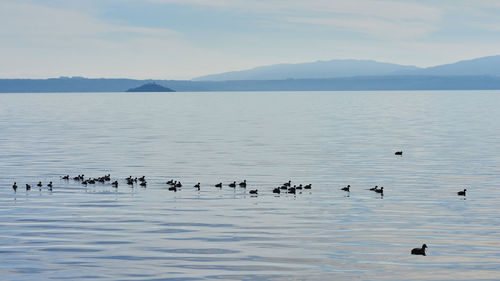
[[184, 39]]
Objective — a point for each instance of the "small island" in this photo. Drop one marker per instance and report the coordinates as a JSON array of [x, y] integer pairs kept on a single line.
[[150, 87]]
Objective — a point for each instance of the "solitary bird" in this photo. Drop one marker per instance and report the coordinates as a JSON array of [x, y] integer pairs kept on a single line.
[[399, 153], [462, 193], [347, 188], [233, 184], [14, 186], [419, 251], [253, 191], [39, 184], [219, 185], [243, 183], [197, 186]]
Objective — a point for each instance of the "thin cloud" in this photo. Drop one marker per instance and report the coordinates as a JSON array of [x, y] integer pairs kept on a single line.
[[371, 27]]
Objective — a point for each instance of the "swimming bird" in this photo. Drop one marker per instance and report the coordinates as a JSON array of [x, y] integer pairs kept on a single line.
[[253, 191], [277, 190], [419, 251], [462, 193], [173, 188], [287, 183], [170, 182], [143, 184], [233, 184], [283, 187], [39, 184], [197, 186], [28, 187], [374, 188], [399, 153], [380, 190], [291, 190], [66, 177], [219, 185], [308, 186], [346, 188], [115, 184], [178, 184], [50, 186], [243, 183], [298, 187], [14, 186]]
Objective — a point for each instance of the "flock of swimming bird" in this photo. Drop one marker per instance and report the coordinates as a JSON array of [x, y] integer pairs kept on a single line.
[[174, 185]]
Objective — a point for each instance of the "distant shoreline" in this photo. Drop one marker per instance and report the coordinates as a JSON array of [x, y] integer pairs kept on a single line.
[[361, 83]]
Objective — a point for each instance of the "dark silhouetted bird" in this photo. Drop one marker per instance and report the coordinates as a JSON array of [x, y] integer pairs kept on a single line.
[[462, 193], [419, 251], [346, 188]]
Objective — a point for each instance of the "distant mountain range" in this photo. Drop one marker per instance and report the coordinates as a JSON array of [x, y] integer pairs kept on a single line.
[[336, 75], [352, 68]]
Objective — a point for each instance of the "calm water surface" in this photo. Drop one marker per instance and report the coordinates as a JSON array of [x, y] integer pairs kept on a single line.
[[451, 141]]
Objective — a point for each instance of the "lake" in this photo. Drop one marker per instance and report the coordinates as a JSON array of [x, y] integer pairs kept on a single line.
[[450, 139]]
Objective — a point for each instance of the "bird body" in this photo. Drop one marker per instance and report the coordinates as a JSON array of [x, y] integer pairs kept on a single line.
[[243, 183], [233, 184], [419, 251], [14, 186], [462, 193], [219, 185], [399, 153], [253, 191], [347, 188]]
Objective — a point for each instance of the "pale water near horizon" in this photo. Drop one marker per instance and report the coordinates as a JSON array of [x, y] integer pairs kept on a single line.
[[451, 141]]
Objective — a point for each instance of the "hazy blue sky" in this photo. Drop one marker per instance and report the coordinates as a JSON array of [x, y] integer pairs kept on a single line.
[[178, 39]]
